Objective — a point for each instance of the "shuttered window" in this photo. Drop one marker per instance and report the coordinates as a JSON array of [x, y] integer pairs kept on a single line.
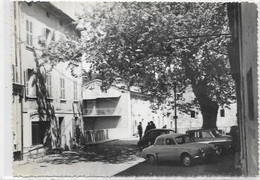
[[49, 85], [62, 88], [29, 33], [75, 90]]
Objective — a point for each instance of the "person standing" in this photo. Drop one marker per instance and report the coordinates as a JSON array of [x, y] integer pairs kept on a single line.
[[148, 127], [152, 125], [140, 130]]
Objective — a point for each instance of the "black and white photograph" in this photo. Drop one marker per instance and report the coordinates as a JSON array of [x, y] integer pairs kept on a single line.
[[143, 89]]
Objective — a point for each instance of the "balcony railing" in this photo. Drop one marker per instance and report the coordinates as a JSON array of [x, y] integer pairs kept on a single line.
[[101, 111], [98, 135]]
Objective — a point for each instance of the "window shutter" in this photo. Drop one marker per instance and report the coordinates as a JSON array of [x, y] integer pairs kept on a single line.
[[27, 25], [63, 88], [31, 40], [60, 88], [31, 28], [43, 36]]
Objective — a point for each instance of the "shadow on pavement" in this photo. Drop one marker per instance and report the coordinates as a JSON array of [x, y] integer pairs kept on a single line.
[[220, 166], [111, 152]]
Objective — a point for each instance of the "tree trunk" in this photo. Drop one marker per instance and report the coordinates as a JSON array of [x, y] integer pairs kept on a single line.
[[209, 108]]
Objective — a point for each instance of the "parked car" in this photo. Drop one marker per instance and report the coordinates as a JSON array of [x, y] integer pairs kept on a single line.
[[150, 136], [178, 147], [212, 136]]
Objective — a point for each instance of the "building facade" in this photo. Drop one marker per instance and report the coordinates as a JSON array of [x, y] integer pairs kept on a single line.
[[245, 62], [35, 23], [116, 113]]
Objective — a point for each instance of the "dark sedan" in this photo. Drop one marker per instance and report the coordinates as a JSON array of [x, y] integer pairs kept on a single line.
[[150, 136], [212, 136]]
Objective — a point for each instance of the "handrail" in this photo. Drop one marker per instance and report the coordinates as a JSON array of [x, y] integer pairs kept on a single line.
[[101, 111]]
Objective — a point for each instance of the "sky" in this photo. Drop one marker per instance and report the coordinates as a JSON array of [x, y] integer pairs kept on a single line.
[[70, 8]]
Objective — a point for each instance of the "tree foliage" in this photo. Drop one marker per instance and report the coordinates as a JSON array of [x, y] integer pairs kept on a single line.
[[156, 46], [45, 109]]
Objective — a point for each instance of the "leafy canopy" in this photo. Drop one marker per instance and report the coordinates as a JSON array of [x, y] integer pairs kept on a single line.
[[155, 46]]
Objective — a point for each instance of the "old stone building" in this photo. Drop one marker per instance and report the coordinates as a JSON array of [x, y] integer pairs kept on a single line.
[[34, 23]]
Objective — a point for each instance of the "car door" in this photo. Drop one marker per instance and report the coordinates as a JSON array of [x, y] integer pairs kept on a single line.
[[169, 151], [158, 148]]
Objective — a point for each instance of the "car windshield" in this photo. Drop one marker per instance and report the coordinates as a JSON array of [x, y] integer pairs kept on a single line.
[[216, 133], [206, 134], [184, 139]]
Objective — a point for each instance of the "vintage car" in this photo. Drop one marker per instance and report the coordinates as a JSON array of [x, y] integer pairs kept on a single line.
[[178, 147], [212, 136], [150, 136]]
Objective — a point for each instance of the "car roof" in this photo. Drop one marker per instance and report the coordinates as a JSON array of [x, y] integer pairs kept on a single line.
[[172, 135], [162, 129], [199, 130]]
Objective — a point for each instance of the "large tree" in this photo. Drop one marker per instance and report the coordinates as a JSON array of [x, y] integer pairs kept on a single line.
[[159, 46]]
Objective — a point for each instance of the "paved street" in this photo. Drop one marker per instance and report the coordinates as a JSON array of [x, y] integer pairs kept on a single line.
[[117, 158]]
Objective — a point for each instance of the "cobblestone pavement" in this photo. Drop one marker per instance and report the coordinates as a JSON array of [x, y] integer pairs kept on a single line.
[[117, 158]]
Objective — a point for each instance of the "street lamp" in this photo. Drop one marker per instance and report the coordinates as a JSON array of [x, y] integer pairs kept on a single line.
[[175, 117], [175, 106]]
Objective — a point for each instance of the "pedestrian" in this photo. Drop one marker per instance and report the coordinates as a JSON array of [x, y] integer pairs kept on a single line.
[[140, 130], [148, 127], [152, 125]]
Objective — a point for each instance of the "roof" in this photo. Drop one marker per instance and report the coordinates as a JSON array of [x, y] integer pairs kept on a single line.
[[54, 10], [172, 135], [101, 97], [115, 86], [199, 130], [161, 129]]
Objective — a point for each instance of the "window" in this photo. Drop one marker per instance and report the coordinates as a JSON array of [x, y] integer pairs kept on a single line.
[[192, 114], [160, 141], [198, 134], [191, 134], [75, 90], [62, 88], [29, 33], [222, 113], [46, 33], [38, 130], [206, 135], [169, 141], [29, 87], [14, 73], [179, 140], [184, 139], [48, 85]]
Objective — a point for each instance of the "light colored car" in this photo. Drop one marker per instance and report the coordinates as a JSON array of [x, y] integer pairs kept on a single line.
[[150, 136], [177, 147]]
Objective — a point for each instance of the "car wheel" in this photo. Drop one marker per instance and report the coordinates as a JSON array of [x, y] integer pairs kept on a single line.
[[151, 159], [219, 150], [186, 160]]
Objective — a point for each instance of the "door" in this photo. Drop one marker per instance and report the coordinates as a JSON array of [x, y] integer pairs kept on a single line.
[[169, 151], [62, 131]]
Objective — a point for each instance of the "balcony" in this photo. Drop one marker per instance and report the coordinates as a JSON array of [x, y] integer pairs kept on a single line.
[[98, 112]]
